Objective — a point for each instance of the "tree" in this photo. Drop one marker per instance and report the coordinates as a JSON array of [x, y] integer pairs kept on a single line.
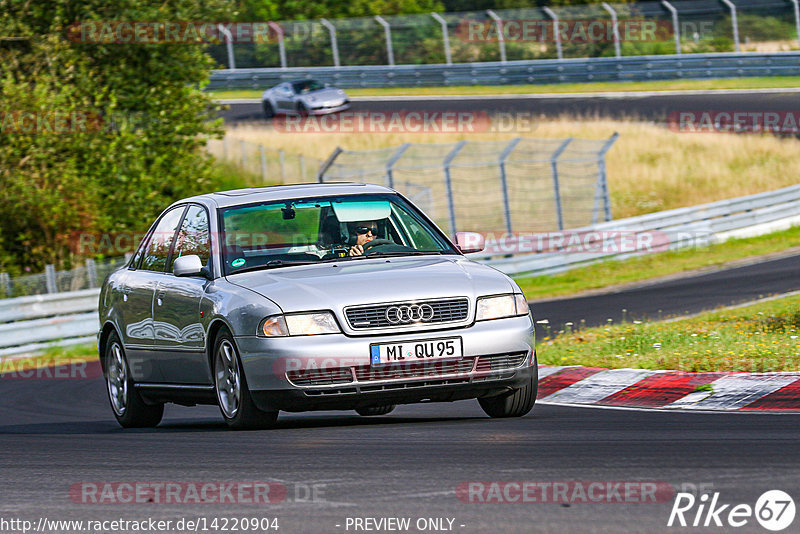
[[95, 137]]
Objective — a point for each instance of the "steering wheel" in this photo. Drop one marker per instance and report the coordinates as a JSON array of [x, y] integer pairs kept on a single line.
[[376, 243]]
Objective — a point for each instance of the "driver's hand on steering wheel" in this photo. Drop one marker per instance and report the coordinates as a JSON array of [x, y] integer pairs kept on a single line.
[[356, 250]]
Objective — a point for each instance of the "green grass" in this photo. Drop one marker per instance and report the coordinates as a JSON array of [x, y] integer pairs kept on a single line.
[[772, 82], [758, 338], [53, 356], [612, 273]]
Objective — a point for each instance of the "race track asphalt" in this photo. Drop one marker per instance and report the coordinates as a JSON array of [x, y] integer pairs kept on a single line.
[[643, 106], [676, 297], [55, 434]]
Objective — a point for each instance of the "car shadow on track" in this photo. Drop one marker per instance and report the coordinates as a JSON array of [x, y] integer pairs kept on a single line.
[[182, 426]]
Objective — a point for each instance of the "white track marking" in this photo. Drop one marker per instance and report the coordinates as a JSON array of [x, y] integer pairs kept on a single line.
[[599, 386], [547, 371], [733, 392]]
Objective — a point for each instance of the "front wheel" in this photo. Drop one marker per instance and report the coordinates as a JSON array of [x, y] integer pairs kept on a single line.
[[233, 395], [128, 406], [515, 404], [269, 111]]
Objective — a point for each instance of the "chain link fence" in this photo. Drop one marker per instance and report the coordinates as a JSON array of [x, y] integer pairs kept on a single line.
[[87, 276], [597, 30], [525, 184], [272, 165]]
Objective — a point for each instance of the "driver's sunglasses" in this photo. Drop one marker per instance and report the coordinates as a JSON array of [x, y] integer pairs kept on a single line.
[[362, 230]]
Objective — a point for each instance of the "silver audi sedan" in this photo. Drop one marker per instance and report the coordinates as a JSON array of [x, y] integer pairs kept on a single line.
[[310, 297]]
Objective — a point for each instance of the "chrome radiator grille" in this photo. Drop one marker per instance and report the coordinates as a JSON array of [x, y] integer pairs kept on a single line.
[[408, 313]]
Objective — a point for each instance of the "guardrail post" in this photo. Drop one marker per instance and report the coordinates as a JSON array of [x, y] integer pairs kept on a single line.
[[229, 45], [334, 44], [676, 29], [244, 153], [50, 278], [615, 28], [327, 164], [601, 190], [446, 37], [557, 34], [797, 17], [556, 185], [387, 30], [5, 284], [734, 23], [504, 183], [91, 273], [451, 207], [282, 159], [281, 45], [263, 153], [501, 41], [390, 164]]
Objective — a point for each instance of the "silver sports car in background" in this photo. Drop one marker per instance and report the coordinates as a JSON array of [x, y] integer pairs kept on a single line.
[[310, 297], [304, 97]]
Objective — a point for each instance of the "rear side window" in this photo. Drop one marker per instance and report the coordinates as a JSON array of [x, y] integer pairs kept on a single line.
[[157, 252], [193, 236]]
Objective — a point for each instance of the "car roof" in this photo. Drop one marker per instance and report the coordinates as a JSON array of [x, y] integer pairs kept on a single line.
[[251, 195]]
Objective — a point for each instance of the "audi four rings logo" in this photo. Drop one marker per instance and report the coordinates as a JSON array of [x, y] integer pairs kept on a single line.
[[409, 314]]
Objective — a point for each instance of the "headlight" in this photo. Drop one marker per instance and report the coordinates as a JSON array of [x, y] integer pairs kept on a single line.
[[299, 324], [310, 324], [501, 306]]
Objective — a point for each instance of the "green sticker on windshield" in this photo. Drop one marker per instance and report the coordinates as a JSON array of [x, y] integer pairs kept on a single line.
[[238, 262]]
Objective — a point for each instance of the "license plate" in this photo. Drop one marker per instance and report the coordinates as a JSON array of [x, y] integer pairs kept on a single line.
[[415, 351]]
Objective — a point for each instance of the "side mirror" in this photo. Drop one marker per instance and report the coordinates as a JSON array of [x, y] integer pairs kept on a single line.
[[468, 242], [190, 265]]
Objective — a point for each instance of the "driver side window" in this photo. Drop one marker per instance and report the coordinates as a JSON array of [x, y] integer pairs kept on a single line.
[[157, 251]]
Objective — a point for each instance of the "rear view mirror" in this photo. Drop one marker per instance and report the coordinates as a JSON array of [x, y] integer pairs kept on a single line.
[[190, 265], [468, 242]]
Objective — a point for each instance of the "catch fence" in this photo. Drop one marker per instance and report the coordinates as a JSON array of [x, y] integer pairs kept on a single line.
[[524, 184], [274, 166], [555, 32]]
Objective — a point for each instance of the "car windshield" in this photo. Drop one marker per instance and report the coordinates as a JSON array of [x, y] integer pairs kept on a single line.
[[313, 230], [307, 86]]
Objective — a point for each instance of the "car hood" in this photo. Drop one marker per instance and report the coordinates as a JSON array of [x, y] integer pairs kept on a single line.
[[334, 286]]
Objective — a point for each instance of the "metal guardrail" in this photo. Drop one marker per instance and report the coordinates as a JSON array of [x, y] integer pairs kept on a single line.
[[30, 324], [68, 318], [626, 68], [674, 229]]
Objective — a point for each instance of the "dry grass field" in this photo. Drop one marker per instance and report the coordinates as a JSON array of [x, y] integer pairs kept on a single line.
[[650, 168]]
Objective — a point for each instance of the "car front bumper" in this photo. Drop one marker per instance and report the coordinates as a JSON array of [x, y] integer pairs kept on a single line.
[[325, 110], [334, 372]]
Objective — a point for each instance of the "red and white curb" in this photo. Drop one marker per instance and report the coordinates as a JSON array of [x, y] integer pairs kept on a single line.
[[642, 388]]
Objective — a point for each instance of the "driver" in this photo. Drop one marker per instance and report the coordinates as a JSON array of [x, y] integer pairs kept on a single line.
[[365, 232]]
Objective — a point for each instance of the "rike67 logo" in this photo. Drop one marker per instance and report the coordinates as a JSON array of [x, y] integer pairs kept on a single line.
[[774, 510]]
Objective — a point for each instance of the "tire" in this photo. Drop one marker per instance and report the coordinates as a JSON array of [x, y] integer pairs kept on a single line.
[[230, 384], [128, 406], [269, 111], [302, 110], [375, 410], [515, 404]]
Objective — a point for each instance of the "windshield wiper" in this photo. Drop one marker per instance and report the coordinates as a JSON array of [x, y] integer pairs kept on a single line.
[[406, 253], [271, 264]]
